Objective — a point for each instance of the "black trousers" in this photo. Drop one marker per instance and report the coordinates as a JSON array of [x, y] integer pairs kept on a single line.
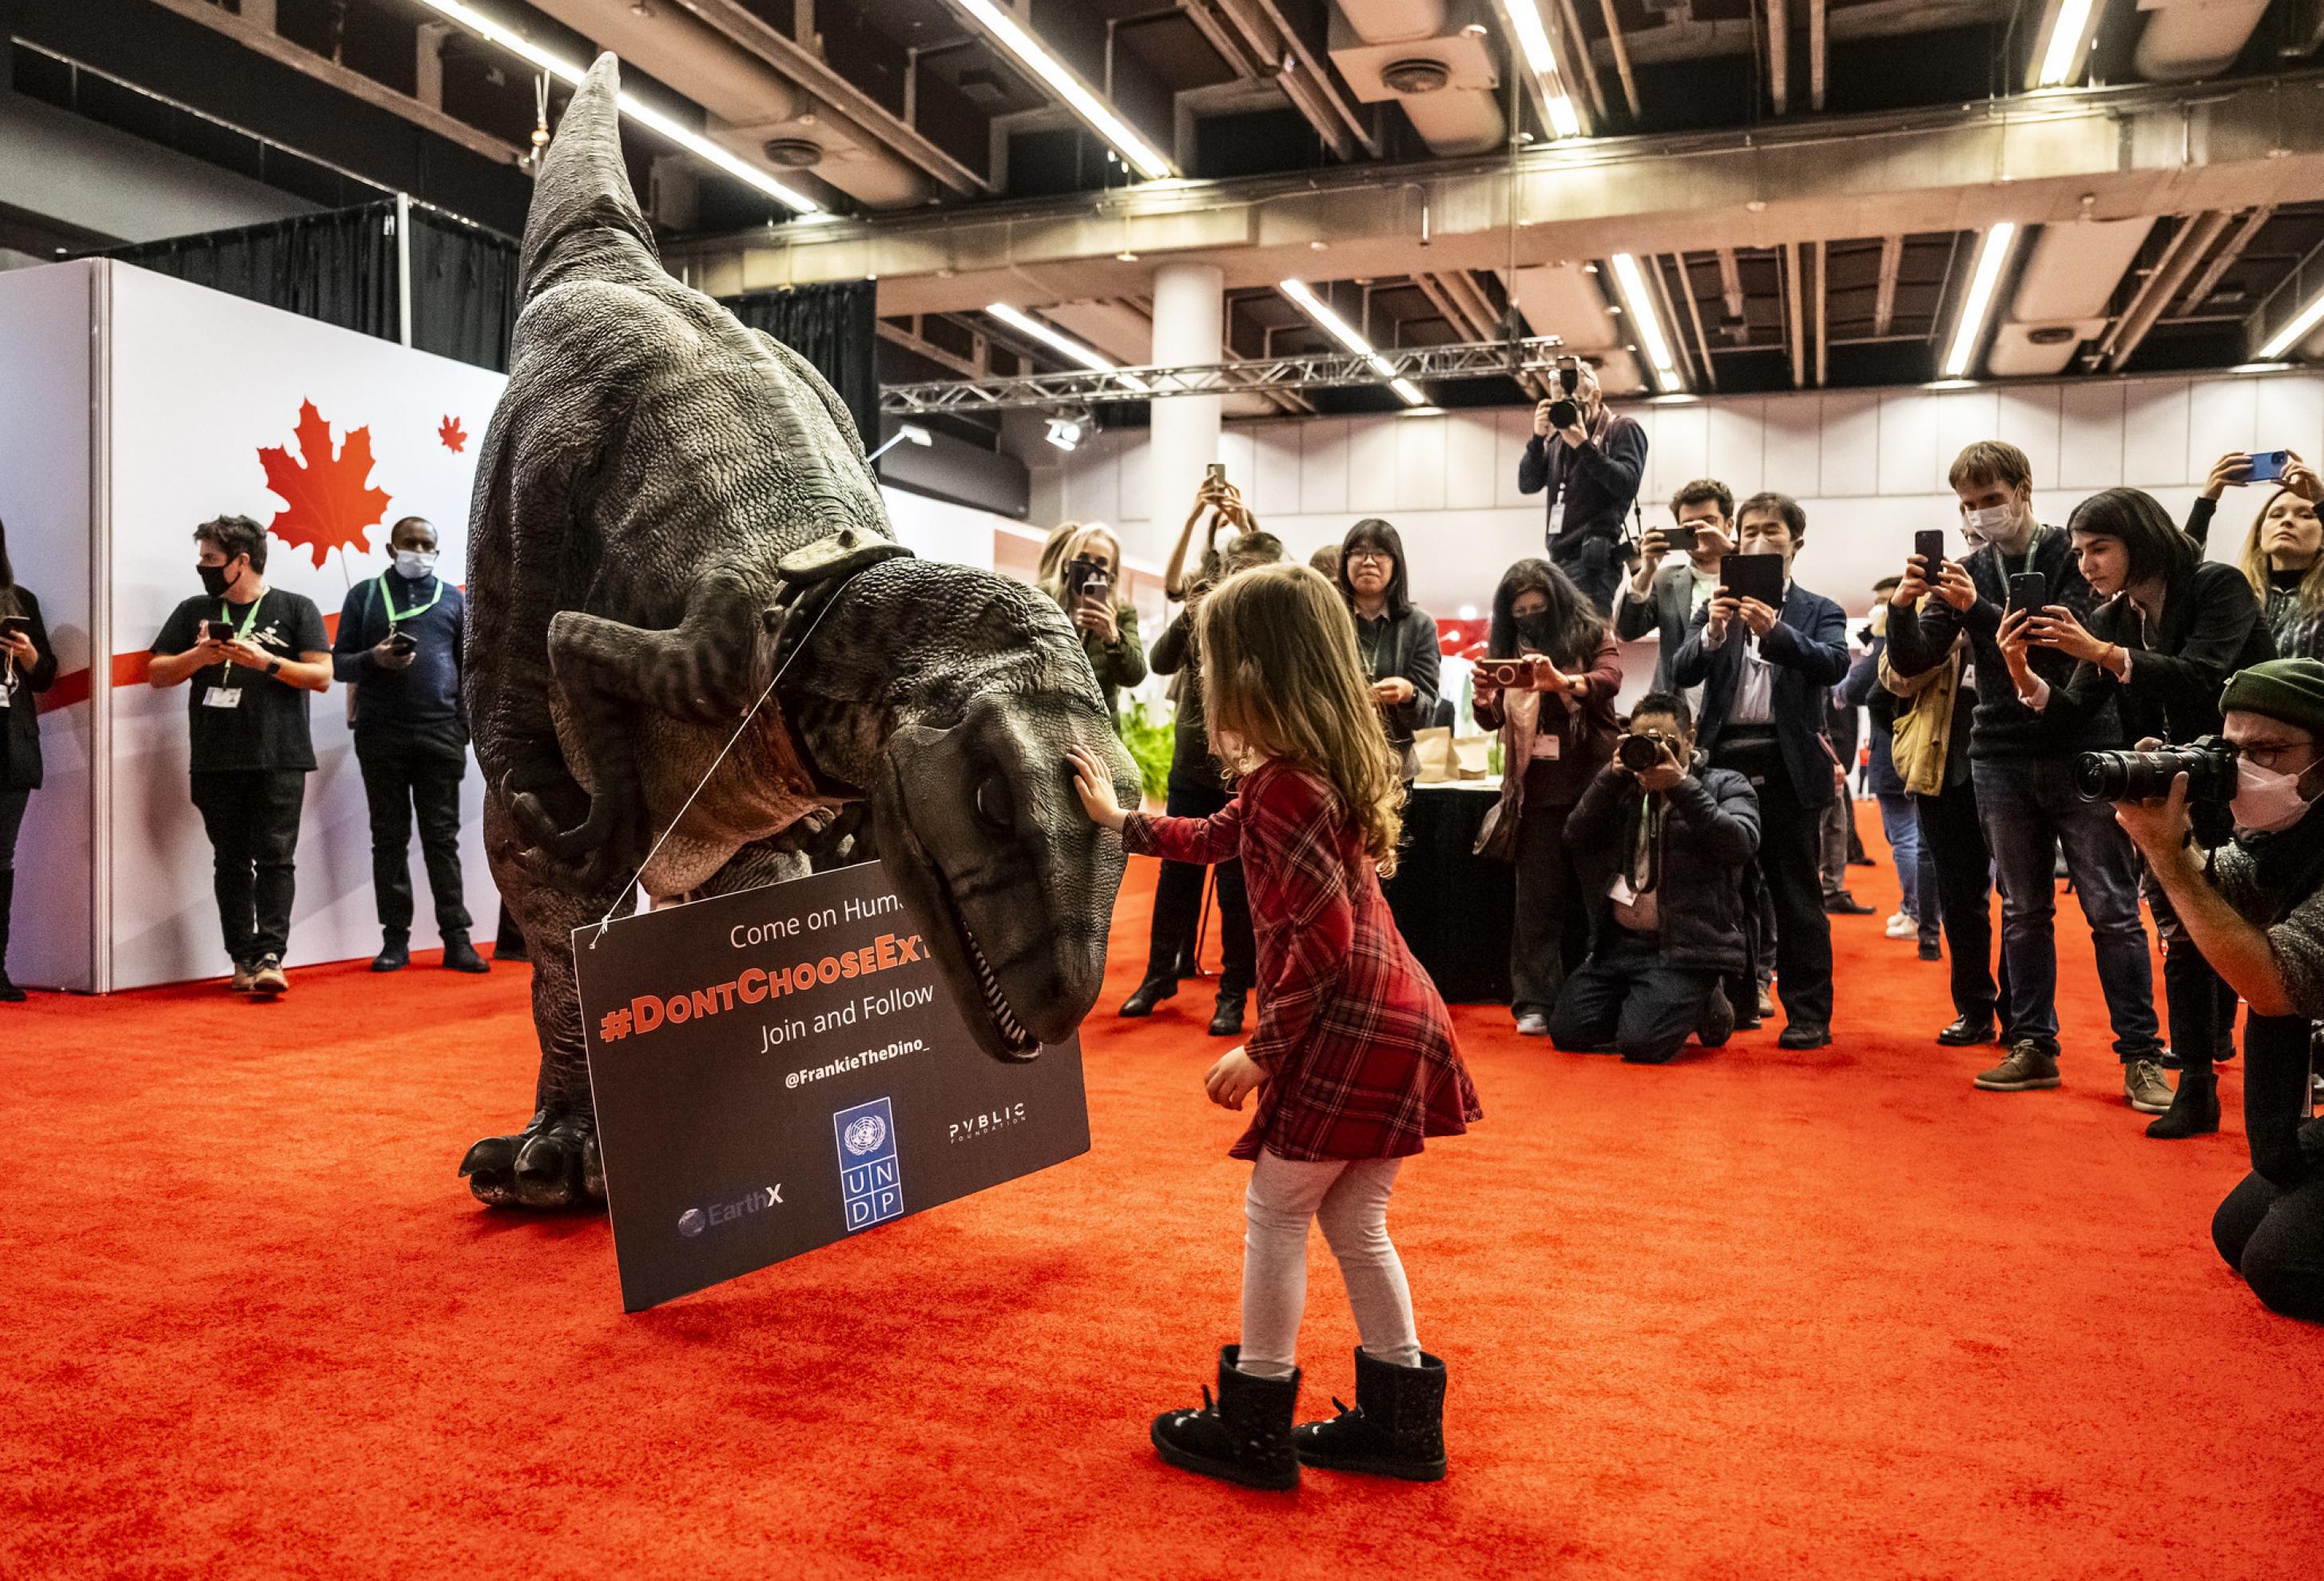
[[1178, 904], [407, 777], [2271, 1228], [1790, 862], [1624, 998], [252, 817], [1964, 869], [1551, 933]]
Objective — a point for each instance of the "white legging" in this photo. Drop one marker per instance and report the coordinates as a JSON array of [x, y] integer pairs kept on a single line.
[[1350, 1196]]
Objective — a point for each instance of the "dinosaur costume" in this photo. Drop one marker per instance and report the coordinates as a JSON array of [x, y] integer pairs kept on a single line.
[[670, 510]]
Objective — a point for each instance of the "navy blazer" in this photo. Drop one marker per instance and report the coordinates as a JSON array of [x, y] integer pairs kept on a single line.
[[1809, 649]]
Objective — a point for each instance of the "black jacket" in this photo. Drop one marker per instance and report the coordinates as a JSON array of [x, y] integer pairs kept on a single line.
[[2210, 629], [1711, 828], [1190, 747], [1405, 647], [1599, 479], [2297, 632], [1919, 639], [20, 722], [1808, 650]]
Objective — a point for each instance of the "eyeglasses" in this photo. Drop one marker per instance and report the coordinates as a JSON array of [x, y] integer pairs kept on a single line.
[[1379, 555], [2270, 756]]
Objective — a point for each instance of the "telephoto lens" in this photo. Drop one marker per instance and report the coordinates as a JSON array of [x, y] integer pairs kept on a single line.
[[2208, 762], [1641, 753], [1564, 414]]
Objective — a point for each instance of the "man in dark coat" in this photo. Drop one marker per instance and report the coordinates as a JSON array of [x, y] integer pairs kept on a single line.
[[1590, 469]]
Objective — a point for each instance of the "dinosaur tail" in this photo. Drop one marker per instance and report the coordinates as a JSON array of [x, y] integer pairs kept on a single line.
[[584, 222]]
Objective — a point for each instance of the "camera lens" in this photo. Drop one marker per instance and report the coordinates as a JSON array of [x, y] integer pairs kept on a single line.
[[1641, 753]]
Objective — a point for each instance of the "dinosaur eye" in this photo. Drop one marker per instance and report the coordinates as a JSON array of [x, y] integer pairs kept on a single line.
[[995, 807]]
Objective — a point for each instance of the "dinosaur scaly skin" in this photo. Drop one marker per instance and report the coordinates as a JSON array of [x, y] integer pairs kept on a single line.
[[650, 465]]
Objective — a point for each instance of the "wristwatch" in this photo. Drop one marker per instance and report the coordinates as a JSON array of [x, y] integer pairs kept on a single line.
[[274, 667]]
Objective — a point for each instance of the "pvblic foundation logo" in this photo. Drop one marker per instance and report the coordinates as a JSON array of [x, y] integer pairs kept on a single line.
[[871, 1188], [695, 1221], [973, 1127]]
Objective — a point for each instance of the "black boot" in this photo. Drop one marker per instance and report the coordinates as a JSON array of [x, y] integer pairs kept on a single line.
[[1148, 994], [9, 993], [1244, 1438], [394, 951], [1396, 1429], [2194, 1108], [1226, 1014], [460, 956]]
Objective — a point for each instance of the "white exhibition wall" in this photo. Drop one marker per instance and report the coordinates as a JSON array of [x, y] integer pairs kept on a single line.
[[1868, 465]]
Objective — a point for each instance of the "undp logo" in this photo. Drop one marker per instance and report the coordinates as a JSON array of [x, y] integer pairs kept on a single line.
[[864, 1136], [871, 1188]]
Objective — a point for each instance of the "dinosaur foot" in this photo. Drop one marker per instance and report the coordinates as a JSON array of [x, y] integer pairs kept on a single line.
[[552, 1162]]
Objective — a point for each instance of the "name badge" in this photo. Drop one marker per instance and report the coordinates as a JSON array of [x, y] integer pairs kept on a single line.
[[7, 696], [222, 697], [1621, 891], [1546, 746]]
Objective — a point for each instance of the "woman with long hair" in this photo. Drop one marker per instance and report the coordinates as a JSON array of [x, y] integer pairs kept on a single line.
[[1395, 641], [28, 667], [1557, 730], [2283, 555], [1086, 583]]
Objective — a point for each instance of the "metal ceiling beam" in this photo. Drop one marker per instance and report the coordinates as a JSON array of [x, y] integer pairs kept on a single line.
[[1823, 322], [2224, 259], [1577, 58], [1621, 48], [1695, 316], [2184, 251], [1779, 57], [1325, 370], [1302, 76], [1816, 54], [1883, 302], [1793, 331], [911, 340], [2103, 153]]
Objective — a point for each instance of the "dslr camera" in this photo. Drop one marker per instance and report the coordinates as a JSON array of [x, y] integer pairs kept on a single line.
[[1642, 752], [1564, 412], [2209, 761]]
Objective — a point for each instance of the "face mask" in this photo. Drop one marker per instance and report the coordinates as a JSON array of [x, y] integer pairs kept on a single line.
[[1981, 527], [1533, 631], [214, 581], [2267, 803], [414, 563]]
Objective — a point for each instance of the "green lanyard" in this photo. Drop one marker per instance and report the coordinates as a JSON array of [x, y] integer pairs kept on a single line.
[[249, 618], [396, 617]]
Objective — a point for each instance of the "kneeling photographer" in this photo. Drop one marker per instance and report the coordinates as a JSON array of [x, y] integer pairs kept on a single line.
[[2254, 907], [1660, 846], [2168, 632]]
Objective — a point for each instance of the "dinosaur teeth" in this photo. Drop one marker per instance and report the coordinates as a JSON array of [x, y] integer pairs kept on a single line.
[[996, 1002]]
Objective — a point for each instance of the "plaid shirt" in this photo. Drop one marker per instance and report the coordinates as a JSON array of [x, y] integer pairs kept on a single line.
[[1358, 1053]]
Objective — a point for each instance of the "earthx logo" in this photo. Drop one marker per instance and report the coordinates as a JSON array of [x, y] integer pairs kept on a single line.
[[694, 1221], [974, 1127]]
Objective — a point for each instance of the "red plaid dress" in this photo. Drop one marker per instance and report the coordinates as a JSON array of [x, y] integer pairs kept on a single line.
[[1360, 1055]]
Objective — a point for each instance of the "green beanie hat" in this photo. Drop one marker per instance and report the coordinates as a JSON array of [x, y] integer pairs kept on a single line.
[[2290, 690]]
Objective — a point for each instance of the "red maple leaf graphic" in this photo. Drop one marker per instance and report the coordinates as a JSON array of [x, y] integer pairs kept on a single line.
[[331, 502], [455, 438]]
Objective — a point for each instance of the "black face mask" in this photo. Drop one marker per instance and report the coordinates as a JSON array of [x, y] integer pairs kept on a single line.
[[1533, 631], [214, 580]]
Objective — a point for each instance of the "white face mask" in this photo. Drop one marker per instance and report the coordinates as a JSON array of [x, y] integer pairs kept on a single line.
[[414, 563], [2267, 803], [1982, 527]]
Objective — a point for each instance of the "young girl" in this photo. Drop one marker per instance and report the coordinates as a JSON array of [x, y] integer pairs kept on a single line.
[[1354, 1060]]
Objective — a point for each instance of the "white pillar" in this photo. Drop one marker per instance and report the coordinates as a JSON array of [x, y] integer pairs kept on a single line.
[[1189, 316]]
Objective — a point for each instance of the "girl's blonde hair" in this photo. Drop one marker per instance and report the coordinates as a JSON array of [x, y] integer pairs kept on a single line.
[[1281, 680], [2256, 568]]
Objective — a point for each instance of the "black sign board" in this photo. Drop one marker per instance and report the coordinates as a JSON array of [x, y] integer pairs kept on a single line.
[[781, 1068]]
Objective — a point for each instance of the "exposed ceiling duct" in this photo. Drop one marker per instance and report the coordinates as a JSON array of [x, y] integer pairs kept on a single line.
[[2184, 40], [761, 115], [2062, 295], [1564, 299], [1429, 57]]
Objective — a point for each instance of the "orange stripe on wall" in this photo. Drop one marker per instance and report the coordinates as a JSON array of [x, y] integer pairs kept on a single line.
[[128, 670]]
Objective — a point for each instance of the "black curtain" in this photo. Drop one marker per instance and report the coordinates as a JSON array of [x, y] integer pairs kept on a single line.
[[339, 267], [836, 328]]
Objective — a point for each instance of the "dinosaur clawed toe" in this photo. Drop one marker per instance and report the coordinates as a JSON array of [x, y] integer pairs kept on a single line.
[[553, 1162]]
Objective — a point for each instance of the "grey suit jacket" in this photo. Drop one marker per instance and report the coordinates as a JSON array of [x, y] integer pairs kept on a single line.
[[1667, 610]]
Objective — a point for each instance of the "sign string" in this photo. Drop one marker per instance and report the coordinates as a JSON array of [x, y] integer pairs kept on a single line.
[[796, 649]]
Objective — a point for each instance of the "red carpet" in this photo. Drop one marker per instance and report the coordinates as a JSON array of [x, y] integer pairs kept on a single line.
[[1752, 1314]]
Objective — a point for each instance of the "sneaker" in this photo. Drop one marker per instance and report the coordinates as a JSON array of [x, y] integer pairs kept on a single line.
[[1532, 1023], [267, 978], [1900, 926], [2143, 1088], [240, 982], [2026, 1068], [1766, 1000]]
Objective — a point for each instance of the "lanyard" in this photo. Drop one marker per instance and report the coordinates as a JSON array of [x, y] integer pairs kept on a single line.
[[2032, 546], [249, 616], [396, 617]]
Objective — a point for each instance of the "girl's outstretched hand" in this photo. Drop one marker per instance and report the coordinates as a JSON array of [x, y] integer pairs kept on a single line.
[[1233, 1078], [1093, 783]]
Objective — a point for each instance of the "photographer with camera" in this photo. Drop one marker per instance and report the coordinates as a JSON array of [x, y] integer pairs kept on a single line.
[[1085, 585], [1660, 842], [1396, 639], [2169, 633], [2021, 766], [1767, 666], [2254, 907], [1663, 598], [1589, 462], [1548, 687]]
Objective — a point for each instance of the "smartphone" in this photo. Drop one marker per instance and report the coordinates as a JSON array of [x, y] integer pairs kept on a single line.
[[400, 642], [1930, 545], [2267, 466], [1754, 575], [1680, 539], [215, 631], [1216, 471], [2028, 590], [1507, 674], [12, 624]]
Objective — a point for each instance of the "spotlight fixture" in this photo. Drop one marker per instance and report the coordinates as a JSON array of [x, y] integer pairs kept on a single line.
[[1319, 311], [1985, 279], [1065, 430], [906, 433], [1029, 52]]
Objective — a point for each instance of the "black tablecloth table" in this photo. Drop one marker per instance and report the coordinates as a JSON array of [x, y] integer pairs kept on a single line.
[[1455, 908]]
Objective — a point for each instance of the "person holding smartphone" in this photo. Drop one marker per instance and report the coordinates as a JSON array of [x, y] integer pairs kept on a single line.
[[1662, 598], [399, 648], [28, 667], [1395, 638], [252, 653], [1086, 585], [2283, 553], [2021, 766]]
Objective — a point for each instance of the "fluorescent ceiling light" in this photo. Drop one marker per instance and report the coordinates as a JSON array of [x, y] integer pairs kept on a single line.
[[1135, 152], [1341, 330], [1969, 330], [2293, 333], [1532, 34], [2261, 367], [1632, 283], [1063, 345], [686, 137], [2061, 56]]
